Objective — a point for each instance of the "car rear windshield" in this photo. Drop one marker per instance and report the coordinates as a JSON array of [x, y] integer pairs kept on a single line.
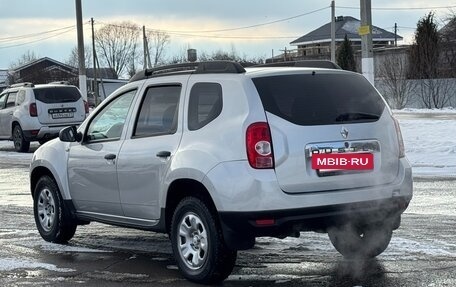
[[320, 99], [52, 95]]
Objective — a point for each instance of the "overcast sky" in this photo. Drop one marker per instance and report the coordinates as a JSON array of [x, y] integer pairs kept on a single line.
[[25, 17]]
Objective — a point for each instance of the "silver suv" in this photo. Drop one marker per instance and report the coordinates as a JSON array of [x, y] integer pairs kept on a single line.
[[38, 112], [216, 155]]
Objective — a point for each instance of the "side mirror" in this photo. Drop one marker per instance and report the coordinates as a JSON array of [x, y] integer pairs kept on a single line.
[[70, 134]]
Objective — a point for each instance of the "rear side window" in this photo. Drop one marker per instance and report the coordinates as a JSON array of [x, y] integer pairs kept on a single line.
[[52, 95], [320, 99], [205, 104], [20, 97]]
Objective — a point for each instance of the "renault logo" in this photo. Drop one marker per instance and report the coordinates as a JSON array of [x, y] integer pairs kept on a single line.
[[344, 132]]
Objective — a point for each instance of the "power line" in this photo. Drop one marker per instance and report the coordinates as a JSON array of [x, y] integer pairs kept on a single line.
[[207, 36], [399, 8], [38, 40], [234, 37], [185, 33], [249, 26], [32, 35]]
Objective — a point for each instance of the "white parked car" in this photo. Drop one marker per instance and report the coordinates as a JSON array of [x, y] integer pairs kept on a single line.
[[31, 112], [216, 155]]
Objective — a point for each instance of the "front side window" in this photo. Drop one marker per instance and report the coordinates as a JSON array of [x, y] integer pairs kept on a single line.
[[2, 101], [158, 111], [205, 104], [109, 123]]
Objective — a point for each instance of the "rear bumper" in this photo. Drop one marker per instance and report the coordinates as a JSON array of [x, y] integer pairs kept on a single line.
[[241, 228], [243, 195], [45, 132]]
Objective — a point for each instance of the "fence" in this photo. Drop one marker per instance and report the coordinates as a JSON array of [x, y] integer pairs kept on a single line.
[[418, 89]]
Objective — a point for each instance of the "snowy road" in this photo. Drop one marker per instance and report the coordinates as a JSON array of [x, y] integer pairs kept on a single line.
[[422, 251]]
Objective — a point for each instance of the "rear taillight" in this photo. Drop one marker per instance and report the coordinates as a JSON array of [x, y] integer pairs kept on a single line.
[[259, 146], [86, 107], [33, 110], [399, 138]]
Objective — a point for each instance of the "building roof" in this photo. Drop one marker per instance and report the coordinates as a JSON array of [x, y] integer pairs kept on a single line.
[[42, 60], [345, 25]]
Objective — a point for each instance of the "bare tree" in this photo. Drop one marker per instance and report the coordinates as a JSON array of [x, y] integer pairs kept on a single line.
[[436, 93], [116, 45], [73, 60], [397, 88], [25, 58], [158, 41]]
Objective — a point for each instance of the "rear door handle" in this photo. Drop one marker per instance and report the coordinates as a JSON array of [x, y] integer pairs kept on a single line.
[[163, 153], [110, 156]]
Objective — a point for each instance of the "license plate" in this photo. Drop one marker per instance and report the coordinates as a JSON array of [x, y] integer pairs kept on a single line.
[[62, 115], [343, 161]]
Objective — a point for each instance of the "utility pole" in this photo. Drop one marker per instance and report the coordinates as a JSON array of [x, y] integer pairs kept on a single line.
[[81, 60], [94, 56], [395, 34], [284, 54], [145, 47], [367, 53], [147, 61], [333, 31]]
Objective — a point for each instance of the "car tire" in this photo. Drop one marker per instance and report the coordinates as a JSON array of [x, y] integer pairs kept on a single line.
[[53, 221], [20, 143], [355, 242], [198, 244]]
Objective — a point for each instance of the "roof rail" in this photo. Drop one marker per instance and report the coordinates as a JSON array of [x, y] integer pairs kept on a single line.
[[304, 63], [211, 67], [25, 84]]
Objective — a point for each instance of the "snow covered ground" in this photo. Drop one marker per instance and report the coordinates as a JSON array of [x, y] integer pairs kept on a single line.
[[430, 141], [429, 138]]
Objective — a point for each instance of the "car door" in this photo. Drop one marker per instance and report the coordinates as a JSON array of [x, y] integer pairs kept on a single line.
[[92, 164], [7, 106], [145, 157]]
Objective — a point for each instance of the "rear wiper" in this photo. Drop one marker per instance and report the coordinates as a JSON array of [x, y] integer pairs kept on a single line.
[[356, 117]]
